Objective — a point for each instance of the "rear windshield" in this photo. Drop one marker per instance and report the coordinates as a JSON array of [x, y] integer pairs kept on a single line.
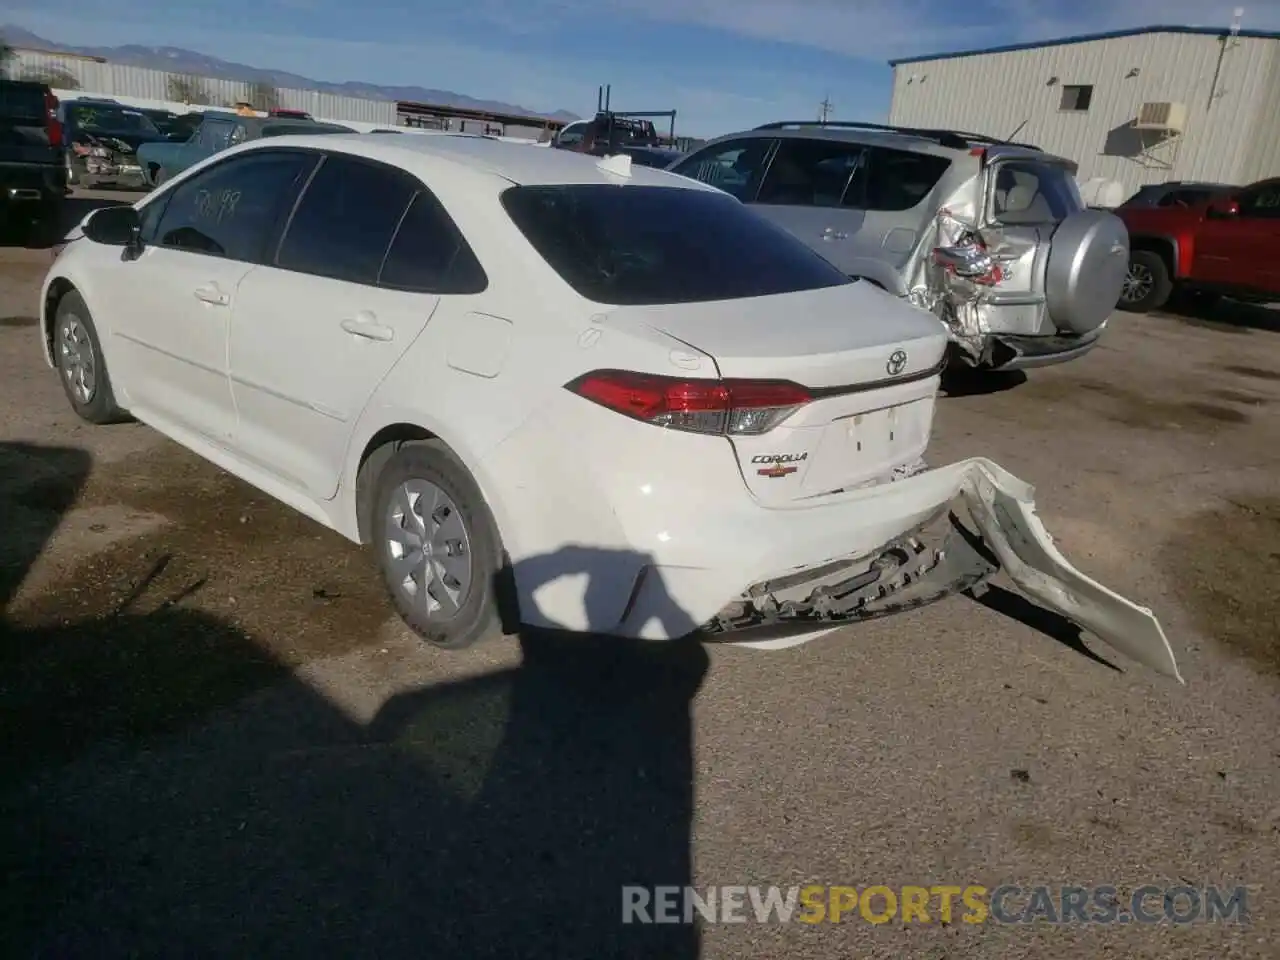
[[1027, 193], [110, 120], [635, 245], [22, 102]]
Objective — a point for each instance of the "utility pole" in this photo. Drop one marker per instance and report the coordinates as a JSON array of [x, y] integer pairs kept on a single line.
[[825, 106]]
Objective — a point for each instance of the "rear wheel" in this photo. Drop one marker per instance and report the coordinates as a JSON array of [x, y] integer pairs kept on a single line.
[[82, 370], [437, 547], [1147, 285]]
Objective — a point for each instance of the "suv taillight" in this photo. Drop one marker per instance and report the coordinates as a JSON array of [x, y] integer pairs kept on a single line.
[[51, 121], [717, 407]]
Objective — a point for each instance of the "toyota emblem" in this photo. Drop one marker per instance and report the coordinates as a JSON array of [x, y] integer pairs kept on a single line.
[[897, 362]]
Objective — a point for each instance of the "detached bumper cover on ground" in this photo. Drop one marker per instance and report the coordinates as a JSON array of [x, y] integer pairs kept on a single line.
[[791, 591]]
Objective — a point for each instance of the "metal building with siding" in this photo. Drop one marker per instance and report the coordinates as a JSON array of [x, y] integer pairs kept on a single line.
[[1136, 106]]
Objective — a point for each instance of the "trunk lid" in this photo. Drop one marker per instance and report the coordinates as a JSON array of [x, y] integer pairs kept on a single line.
[[869, 360]]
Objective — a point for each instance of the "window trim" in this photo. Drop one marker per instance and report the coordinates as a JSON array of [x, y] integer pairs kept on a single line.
[[167, 196]]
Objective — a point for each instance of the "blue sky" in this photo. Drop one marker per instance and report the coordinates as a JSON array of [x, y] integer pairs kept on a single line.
[[723, 64]]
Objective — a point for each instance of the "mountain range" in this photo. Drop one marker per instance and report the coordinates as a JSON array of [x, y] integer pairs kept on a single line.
[[183, 61]]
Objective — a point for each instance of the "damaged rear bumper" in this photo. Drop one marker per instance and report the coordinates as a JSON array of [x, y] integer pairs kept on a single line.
[[807, 580]]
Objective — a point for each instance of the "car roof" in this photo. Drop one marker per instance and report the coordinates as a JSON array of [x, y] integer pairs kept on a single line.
[[518, 163]]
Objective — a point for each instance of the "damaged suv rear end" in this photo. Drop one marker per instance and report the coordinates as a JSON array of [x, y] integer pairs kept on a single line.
[[1016, 265], [991, 237]]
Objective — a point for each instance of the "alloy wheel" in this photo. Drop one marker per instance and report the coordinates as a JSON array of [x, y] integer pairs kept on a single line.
[[76, 358]]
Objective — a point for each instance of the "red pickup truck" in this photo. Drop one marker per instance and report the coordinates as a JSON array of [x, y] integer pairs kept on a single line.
[[1227, 246]]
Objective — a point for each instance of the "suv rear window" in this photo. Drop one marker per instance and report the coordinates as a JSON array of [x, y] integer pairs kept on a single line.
[[630, 246], [21, 101], [1028, 193]]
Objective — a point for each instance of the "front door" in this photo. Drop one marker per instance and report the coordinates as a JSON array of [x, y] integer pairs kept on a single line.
[[171, 308], [1242, 250]]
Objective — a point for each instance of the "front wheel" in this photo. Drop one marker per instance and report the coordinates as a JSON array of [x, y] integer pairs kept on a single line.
[[1147, 285], [437, 547], [82, 370]]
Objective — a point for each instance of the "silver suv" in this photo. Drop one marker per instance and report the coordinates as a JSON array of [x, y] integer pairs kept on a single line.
[[992, 237]]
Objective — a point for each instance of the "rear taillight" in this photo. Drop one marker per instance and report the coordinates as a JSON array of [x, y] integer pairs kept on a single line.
[[719, 407], [51, 121]]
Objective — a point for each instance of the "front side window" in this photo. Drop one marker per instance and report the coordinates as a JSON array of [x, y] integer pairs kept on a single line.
[[814, 173], [346, 219], [735, 167], [662, 245], [231, 209], [1028, 193]]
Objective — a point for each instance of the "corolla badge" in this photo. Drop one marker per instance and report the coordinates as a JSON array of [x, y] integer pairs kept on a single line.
[[897, 362]]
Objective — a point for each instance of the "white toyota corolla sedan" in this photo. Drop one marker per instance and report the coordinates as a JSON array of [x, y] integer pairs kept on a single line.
[[548, 389]]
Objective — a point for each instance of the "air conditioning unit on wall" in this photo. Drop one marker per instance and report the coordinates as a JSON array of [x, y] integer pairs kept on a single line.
[[1169, 117]]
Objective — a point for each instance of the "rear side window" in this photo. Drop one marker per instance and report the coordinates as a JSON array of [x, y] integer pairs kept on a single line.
[[655, 245], [345, 220], [429, 253], [1028, 193], [899, 180]]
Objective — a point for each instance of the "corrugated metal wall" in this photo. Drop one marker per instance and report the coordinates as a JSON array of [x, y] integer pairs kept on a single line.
[[1262, 160], [118, 80], [995, 93]]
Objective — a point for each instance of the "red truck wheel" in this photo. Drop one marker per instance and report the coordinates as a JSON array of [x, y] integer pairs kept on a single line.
[[1147, 286]]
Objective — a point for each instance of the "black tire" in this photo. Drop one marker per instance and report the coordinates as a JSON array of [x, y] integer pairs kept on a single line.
[[477, 616], [73, 335], [1148, 285]]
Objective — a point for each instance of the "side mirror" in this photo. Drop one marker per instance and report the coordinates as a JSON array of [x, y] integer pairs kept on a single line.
[[1223, 210], [116, 227]]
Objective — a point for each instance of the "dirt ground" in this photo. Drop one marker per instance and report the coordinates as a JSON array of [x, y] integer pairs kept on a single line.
[[218, 740]]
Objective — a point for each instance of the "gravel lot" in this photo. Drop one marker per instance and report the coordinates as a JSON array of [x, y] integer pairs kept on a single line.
[[218, 741]]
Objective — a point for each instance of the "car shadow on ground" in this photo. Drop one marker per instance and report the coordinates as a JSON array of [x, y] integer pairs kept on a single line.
[[1223, 315], [167, 788]]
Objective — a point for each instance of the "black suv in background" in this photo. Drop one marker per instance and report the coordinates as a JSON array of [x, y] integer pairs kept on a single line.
[[33, 183]]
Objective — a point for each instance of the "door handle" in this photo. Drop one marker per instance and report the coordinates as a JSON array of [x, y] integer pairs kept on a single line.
[[831, 233], [211, 294], [364, 325]]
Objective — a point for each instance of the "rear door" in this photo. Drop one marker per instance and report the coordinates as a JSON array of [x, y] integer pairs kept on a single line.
[[24, 125], [360, 269], [807, 191]]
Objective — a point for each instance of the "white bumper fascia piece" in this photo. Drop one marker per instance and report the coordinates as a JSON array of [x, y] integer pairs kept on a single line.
[[1003, 509]]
